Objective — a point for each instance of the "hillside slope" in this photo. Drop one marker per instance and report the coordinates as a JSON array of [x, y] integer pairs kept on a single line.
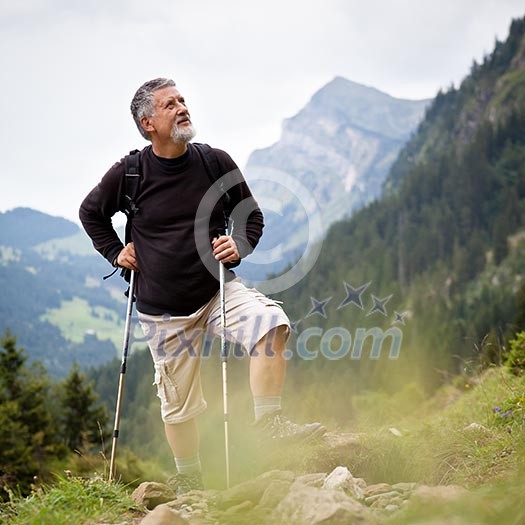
[[437, 248]]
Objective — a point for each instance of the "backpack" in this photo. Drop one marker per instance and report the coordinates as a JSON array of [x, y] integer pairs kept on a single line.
[[131, 186]]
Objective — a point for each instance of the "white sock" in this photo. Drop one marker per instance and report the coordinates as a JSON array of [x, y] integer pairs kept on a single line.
[[265, 405], [189, 465]]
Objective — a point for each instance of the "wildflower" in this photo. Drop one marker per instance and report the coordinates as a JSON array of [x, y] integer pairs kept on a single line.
[[467, 385], [497, 409]]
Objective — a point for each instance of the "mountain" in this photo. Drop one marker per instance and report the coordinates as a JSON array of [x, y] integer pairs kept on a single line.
[[332, 158], [24, 227], [438, 259]]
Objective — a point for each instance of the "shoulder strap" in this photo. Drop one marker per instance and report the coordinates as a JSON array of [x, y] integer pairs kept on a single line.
[[131, 188], [211, 164]]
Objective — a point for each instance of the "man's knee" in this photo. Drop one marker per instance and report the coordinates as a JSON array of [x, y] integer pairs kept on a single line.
[[274, 342]]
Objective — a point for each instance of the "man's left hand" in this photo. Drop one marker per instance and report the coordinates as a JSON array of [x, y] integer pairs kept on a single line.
[[225, 250]]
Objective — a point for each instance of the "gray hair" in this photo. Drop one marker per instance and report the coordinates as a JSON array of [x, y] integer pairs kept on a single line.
[[142, 103]]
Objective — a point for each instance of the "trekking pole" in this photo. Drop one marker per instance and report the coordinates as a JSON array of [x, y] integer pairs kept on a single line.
[[224, 360], [125, 348]]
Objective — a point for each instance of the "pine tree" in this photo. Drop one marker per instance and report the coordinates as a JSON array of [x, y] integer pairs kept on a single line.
[[81, 413], [28, 436]]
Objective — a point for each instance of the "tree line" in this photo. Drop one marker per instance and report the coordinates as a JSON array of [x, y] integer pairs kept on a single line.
[[42, 422]]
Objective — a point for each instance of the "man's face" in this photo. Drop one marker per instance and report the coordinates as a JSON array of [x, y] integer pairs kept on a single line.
[[171, 117]]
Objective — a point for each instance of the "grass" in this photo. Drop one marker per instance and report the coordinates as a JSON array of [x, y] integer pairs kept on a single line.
[[71, 500], [470, 433], [75, 318]]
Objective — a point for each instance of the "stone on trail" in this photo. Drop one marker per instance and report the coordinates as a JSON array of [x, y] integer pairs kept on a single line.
[[341, 479], [378, 488], [312, 480], [253, 489], [163, 515], [150, 494], [275, 492], [304, 504]]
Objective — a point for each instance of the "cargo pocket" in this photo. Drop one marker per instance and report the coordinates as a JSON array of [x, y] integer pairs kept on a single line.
[[167, 390]]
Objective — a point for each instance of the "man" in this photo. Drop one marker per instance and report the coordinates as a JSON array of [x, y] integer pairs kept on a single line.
[[176, 255]]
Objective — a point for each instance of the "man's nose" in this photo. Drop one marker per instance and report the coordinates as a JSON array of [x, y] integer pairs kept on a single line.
[[182, 108]]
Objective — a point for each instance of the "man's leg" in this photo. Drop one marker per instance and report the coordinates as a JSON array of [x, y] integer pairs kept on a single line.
[[267, 364], [183, 439], [267, 371], [175, 348], [261, 326]]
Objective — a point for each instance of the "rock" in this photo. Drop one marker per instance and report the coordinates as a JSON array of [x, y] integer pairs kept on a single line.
[[385, 496], [391, 508], [150, 494], [440, 494], [275, 492], [404, 487], [378, 488], [163, 515], [383, 501], [304, 504], [252, 490], [395, 432], [476, 426], [312, 480], [341, 479], [242, 507]]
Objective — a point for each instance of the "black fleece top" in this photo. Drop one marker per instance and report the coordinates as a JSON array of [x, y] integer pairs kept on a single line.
[[178, 273]]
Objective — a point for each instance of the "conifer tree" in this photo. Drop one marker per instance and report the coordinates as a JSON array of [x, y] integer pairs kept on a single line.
[[28, 435], [82, 417]]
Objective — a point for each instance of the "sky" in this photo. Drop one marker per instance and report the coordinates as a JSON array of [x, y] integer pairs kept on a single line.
[[69, 69]]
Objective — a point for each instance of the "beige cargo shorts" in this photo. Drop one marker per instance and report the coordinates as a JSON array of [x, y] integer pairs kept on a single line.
[[177, 344]]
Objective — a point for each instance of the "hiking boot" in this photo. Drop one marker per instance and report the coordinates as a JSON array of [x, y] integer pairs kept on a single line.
[[276, 429], [183, 483]]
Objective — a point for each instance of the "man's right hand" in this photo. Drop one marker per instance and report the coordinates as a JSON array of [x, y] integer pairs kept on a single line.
[[127, 259]]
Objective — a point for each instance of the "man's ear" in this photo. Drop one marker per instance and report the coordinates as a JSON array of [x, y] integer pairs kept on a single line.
[[146, 124]]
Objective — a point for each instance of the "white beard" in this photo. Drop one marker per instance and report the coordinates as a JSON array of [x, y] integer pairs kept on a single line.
[[182, 135]]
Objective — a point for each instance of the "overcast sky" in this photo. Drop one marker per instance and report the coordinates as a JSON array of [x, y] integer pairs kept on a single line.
[[70, 68]]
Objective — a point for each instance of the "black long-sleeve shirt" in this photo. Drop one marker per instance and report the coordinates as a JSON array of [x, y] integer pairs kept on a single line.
[[178, 273]]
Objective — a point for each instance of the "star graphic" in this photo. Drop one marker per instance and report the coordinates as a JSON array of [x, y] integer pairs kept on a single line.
[[399, 318], [318, 307], [294, 325], [379, 304], [353, 295]]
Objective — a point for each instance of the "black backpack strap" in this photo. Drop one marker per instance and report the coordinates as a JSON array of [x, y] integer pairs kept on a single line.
[[131, 189], [213, 169]]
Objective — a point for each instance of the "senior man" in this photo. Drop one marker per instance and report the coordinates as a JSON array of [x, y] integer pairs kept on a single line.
[[176, 282]]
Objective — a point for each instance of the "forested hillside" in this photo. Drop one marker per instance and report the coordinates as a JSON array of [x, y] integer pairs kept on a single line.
[[445, 238]]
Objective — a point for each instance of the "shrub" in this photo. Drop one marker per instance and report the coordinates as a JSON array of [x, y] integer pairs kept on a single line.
[[516, 358]]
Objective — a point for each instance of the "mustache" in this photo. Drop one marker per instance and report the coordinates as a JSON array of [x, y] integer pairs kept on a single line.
[[183, 118]]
